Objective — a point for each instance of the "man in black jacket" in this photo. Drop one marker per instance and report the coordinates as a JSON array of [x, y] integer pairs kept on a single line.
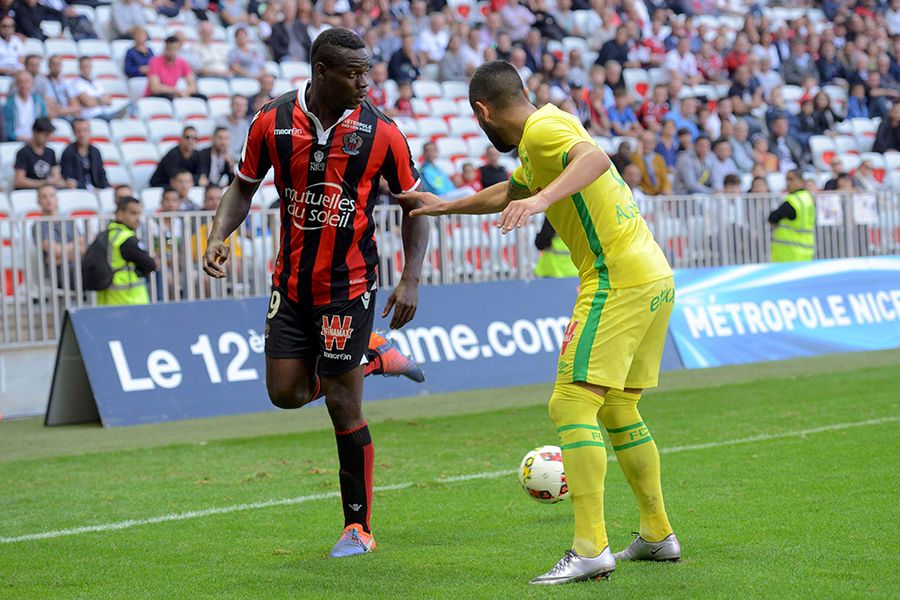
[[215, 161], [81, 164], [182, 157], [290, 38], [888, 135]]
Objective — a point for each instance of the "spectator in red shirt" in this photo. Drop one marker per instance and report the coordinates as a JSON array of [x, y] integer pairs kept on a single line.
[[377, 92], [403, 106], [169, 75], [653, 111], [739, 54]]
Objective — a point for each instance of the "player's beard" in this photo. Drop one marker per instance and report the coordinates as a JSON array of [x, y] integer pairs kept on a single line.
[[494, 136]]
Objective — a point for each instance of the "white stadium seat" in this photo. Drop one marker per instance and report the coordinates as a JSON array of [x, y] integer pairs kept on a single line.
[[110, 154], [105, 70], [129, 130], [140, 176], [62, 132], [464, 127], [118, 176], [140, 153], [77, 202], [455, 90], [478, 146], [432, 127], [213, 87], [291, 70], [823, 149], [22, 202], [426, 90], [106, 197], [165, 130], [151, 198], [137, 88], [100, 131], [452, 147], [186, 109], [244, 86], [63, 48], [154, 108], [441, 107]]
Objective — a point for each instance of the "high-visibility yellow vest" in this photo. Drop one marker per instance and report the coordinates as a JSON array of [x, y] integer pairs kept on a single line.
[[795, 239], [127, 286], [556, 261]]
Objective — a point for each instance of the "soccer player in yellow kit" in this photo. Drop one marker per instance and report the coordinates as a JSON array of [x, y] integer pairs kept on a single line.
[[613, 345]]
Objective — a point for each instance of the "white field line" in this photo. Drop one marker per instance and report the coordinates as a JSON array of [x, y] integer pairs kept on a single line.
[[197, 514]]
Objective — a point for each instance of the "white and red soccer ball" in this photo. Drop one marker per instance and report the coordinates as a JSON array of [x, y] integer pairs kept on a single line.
[[541, 475]]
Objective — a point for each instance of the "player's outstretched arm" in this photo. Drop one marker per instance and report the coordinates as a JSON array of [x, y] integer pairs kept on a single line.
[[232, 212], [586, 163], [404, 299], [490, 200]]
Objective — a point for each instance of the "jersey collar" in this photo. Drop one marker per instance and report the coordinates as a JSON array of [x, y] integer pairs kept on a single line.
[[321, 134]]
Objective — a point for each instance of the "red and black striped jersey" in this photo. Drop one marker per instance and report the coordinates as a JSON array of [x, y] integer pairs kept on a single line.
[[327, 181]]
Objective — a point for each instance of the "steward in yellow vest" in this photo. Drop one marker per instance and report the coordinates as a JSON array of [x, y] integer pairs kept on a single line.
[[555, 260], [794, 234], [130, 262]]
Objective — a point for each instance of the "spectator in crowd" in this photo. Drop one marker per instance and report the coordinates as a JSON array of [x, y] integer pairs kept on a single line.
[[888, 135], [290, 39], [169, 75], [22, 108], [654, 173], [244, 59], [794, 223], [434, 178], [266, 93], [685, 117], [762, 156], [693, 169], [622, 119], [759, 185], [844, 183], [166, 242], [799, 65], [653, 110], [12, 50], [599, 124], [747, 86], [28, 15], [858, 103], [81, 164], [837, 169], [130, 262], [125, 16], [865, 177], [233, 12], [216, 161], [490, 30], [741, 149], [137, 58], [829, 65], [632, 176], [122, 191], [406, 62], [32, 64], [722, 164], [534, 49], [724, 113], [58, 239], [616, 49], [623, 154], [182, 157], [237, 124], [182, 182], [667, 146], [377, 92], [517, 19], [785, 147], [739, 55], [825, 117], [94, 102], [492, 172], [453, 65], [403, 106], [207, 57], [682, 61], [432, 42], [35, 163], [212, 198], [468, 177]]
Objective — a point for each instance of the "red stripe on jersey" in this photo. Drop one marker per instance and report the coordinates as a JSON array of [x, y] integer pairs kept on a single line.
[[335, 167], [299, 171]]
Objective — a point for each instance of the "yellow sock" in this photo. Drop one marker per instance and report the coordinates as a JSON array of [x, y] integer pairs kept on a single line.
[[574, 412], [638, 457]]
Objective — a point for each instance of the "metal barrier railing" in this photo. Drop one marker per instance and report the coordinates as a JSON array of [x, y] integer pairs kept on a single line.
[[40, 258]]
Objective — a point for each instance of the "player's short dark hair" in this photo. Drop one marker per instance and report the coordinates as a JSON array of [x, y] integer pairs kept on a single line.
[[497, 84], [330, 45], [123, 202]]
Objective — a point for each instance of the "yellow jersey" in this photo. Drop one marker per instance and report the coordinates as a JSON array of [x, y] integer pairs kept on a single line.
[[609, 240]]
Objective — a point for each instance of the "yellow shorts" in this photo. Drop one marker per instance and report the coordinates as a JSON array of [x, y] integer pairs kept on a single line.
[[615, 338]]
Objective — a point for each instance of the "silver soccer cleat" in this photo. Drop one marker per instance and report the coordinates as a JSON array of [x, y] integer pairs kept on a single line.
[[640, 549], [573, 567]]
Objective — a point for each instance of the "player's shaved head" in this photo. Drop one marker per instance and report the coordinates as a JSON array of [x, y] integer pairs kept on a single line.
[[496, 84], [331, 46]]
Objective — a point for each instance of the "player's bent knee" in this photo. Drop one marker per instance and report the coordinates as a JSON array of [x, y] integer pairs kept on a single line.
[[572, 404], [290, 396]]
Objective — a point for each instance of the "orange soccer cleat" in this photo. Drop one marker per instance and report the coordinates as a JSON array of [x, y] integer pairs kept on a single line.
[[389, 361]]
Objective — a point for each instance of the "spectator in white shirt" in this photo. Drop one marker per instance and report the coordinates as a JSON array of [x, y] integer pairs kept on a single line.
[[22, 108], [517, 19], [207, 57], [473, 49], [60, 102], [433, 41], [682, 61], [237, 123], [245, 60], [11, 48], [95, 103]]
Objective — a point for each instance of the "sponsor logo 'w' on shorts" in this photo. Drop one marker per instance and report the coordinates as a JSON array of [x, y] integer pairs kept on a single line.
[[616, 336]]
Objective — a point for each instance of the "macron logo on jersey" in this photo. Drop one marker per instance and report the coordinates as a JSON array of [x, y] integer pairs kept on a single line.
[[336, 332], [289, 131]]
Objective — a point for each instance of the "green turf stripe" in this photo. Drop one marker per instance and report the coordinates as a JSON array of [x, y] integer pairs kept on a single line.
[[580, 444], [577, 426], [633, 444], [626, 428], [586, 343], [591, 233]]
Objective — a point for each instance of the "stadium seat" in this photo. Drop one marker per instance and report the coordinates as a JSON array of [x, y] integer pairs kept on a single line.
[[823, 149], [137, 88], [432, 127], [129, 130], [13, 281], [22, 202], [426, 90], [571, 42], [66, 49], [605, 144], [846, 144], [8, 151], [165, 130], [465, 10], [244, 86], [838, 97], [219, 107], [140, 176], [408, 125], [510, 163], [110, 154], [864, 130], [151, 198], [892, 160], [420, 107], [441, 107], [792, 93], [213, 88], [776, 182], [464, 109], [637, 82], [850, 162], [187, 109], [106, 198], [446, 166], [5, 84], [100, 132], [105, 70], [154, 108], [118, 175], [118, 49], [116, 88], [196, 195], [416, 146], [140, 153], [205, 128], [77, 203], [478, 146], [452, 148], [455, 90], [35, 46], [464, 127], [291, 70], [879, 164], [62, 132]]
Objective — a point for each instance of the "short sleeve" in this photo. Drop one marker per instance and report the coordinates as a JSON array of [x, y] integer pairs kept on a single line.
[[398, 169], [21, 160], [551, 138], [255, 158], [518, 177]]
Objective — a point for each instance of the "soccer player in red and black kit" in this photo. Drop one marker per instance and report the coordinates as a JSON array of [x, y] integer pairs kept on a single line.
[[329, 148]]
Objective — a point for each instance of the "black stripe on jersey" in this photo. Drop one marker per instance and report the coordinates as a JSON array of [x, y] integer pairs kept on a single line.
[[353, 173], [377, 111], [286, 98], [311, 237], [284, 147]]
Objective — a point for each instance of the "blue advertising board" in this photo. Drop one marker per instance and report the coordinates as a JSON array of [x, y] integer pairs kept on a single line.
[[752, 313], [194, 359]]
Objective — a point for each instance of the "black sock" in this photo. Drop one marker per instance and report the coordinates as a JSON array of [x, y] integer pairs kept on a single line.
[[356, 455]]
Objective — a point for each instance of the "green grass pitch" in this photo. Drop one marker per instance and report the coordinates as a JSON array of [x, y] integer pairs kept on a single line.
[[781, 481]]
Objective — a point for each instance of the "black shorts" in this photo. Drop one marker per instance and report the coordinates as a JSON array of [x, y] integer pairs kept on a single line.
[[337, 334]]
